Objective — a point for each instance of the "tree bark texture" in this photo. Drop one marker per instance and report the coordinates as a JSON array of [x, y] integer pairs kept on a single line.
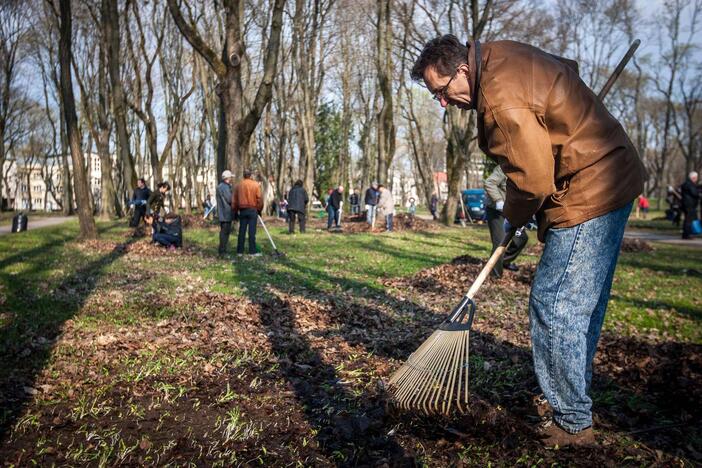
[[88, 229]]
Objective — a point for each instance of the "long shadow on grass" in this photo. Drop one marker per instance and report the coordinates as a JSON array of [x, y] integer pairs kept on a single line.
[[26, 341], [397, 327], [348, 429]]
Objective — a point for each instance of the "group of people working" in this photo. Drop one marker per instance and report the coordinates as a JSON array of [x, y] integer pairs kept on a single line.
[[166, 228]]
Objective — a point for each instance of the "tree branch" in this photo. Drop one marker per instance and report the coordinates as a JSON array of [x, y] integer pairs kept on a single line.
[[196, 41]]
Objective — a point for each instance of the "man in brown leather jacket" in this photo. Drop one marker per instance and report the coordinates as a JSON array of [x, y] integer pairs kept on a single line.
[[569, 162], [247, 201]]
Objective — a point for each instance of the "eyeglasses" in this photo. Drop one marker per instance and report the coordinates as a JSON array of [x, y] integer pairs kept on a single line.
[[441, 93]]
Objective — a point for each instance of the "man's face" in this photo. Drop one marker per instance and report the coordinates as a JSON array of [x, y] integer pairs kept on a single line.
[[163, 189], [693, 178], [341, 189], [140, 184], [458, 91]]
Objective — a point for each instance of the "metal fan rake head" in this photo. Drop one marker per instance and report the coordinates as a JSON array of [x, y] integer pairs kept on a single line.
[[434, 379]]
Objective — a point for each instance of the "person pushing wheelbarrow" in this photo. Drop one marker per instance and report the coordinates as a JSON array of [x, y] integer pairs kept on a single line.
[[569, 162]]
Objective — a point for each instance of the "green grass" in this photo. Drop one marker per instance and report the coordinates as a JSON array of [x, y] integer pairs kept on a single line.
[[652, 291], [655, 220]]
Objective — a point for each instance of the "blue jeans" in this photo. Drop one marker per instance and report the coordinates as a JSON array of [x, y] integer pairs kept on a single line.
[[333, 216], [388, 222], [567, 308], [248, 218], [370, 214], [165, 240]]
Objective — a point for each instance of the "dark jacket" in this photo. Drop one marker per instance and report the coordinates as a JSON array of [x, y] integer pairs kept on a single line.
[[174, 228], [335, 199], [434, 202], [690, 195], [371, 197], [297, 199], [141, 194], [156, 202], [566, 158], [353, 199], [224, 200]]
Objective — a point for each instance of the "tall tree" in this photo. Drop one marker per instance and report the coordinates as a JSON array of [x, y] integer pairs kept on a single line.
[[386, 120], [110, 24], [236, 125], [13, 30], [80, 181]]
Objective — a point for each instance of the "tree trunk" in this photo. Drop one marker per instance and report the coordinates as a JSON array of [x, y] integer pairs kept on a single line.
[[386, 122], [85, 215], [239, 125], [110, 21], [460, 128]]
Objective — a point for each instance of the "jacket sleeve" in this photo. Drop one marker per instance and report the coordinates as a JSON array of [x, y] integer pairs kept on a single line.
[[520, 141], [259, 198], [492, 185], [235, 199]]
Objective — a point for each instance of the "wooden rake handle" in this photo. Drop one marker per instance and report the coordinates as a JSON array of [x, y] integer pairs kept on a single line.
[[494, 258]]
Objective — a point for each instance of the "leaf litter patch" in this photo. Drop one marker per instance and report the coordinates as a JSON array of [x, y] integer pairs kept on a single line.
[[285, 376]]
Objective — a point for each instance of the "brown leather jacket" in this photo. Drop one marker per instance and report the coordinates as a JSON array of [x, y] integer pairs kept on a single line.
[[247, 194], [567, 159]]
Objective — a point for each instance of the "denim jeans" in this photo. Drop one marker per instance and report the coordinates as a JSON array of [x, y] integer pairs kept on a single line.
[[388, 222], [248, 217], [370, 214], [567, 307], [165, 240], [333, 216]]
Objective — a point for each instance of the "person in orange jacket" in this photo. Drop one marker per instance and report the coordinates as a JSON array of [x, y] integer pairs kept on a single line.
[[247, 203]]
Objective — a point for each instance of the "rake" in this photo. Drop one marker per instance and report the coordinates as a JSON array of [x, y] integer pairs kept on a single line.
[[276, 252], [435, 377]]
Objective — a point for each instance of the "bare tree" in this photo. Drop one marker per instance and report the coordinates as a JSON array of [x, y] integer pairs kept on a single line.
[[386, 121], [80, 181], [110, 24], [679, 22], [235, 134], [13, 31]]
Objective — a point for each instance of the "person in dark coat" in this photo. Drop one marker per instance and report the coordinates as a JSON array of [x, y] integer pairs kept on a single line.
[[434, 205], [495, 194], [297, 206], [167, 232], [224, 211], [334, 207], [371, 201], [354, 200], [690, 199], [157, 199], [139, 198]]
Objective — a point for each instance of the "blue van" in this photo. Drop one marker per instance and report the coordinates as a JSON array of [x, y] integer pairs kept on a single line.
[[474, 200]]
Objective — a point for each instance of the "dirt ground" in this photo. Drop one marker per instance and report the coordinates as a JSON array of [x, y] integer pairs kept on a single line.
[[285, 376]]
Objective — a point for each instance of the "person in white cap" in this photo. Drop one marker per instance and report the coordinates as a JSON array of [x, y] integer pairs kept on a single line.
[[224, 211]]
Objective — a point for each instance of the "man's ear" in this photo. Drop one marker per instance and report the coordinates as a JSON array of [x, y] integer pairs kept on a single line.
[[463, 68]]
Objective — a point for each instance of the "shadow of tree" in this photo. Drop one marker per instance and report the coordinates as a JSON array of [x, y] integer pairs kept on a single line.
[[26, 342]]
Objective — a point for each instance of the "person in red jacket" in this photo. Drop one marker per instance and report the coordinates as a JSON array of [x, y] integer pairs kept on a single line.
[[247, 201], [643, 206]]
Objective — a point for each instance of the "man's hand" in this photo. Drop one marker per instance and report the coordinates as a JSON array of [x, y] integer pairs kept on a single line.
[[149, 219], [499, 205]]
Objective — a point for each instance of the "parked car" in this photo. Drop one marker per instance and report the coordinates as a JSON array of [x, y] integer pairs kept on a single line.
[[474, 201]]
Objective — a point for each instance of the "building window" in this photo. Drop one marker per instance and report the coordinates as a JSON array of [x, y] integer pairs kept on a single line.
[[36, 188], [37, 201]]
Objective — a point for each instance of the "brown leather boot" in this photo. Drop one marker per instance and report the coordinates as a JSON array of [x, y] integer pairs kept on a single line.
[[553, 436]]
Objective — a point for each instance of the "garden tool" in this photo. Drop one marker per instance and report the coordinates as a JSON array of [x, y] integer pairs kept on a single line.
[[276, 252], [435, 377]]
